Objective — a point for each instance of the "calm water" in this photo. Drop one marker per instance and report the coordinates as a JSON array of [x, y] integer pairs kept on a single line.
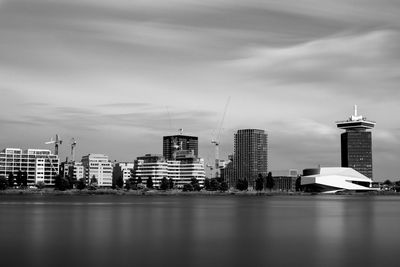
[[199, 231]]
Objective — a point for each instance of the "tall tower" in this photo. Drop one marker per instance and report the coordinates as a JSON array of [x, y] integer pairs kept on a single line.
[[250, 155], [356, 143]]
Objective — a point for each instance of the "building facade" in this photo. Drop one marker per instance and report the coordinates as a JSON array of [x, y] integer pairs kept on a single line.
[[173, 143], [99, 167], [181, 171], [40, 165], [285, 180], [250, 155], [356, 144], [124, 170]]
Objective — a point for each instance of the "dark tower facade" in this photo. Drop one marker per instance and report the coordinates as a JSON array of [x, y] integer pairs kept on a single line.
[[250, 154], [356, 143], [173, 143]]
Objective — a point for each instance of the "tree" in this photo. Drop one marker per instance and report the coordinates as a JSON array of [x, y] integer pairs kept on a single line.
[[149, 183], [131, 184], [259, 183], [223, 186], [81, 184], [270, 181], [3, 183], [164, 184], [19, 178], [11, 179], [25, 179], [139, 180], [40, 185], [93, 181], [387, 182], [242, 185], [298, 184], [170, 183], [207, 184], [195, 183], [64, 185], [187, 188], [57, 181], [119, 182], [214, 184]]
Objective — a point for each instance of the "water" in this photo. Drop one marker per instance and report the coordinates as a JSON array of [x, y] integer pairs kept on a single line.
[[199, 231]]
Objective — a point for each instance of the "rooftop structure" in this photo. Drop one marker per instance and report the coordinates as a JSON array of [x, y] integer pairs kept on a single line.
[[356, 143]]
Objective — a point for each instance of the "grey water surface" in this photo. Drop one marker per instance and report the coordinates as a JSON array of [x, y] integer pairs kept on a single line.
[[199, 231]]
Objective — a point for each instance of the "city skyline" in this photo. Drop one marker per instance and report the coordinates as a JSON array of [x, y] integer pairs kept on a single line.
[[118, 77]]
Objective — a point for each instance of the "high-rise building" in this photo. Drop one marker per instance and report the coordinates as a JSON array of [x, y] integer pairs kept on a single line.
[[123, 169], [356, 143], [99, 167], [250, 155], [179, 142], [40, 165]]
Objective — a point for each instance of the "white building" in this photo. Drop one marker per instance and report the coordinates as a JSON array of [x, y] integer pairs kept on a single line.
[[98, 166], [123, 169], [335, 179], [181, 171], [40, 165]]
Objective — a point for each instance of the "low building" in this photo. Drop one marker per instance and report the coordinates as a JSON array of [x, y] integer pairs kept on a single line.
[[98, 166], [285, 180], [335, 179], [182, 170], [40, 165]]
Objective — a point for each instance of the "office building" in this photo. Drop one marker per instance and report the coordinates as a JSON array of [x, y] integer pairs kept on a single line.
[[356, 143], [250, 155], [40, 165], [179, 142], [98, 166], [335, 179], [181, 170]]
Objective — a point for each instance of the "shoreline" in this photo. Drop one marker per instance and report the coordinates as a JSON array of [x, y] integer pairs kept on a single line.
[[123, 192]]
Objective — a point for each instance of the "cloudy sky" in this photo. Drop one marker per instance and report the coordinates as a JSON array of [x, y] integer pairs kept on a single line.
[[118, 75]]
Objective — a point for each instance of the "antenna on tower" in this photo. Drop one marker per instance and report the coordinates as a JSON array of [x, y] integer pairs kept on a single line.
[[73, 145], [355, 110]]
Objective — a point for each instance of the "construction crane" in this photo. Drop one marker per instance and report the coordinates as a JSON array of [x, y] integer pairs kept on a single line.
[[56, 143], [73, 145], [215, 141]]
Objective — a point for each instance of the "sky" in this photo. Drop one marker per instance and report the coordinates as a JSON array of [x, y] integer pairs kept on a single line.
[[118, 75]]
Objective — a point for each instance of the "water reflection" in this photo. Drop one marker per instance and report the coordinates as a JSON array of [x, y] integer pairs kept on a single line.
[[199, 231]]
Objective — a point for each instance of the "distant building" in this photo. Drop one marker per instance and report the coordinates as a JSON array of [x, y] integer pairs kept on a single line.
[[285, 180], [123, 169], [179, 142], [39, 164], [76, 170], [335, 179], [250, 155], [356, 143], [228, 173], [98, 166], [181, 171]]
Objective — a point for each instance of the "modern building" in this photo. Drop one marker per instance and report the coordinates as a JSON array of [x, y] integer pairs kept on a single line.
[[40, 165], [250, 155], [124, 170], [173, 143], [356, 143], [285, 180], [181, 170], [335, 179], [99, 167]]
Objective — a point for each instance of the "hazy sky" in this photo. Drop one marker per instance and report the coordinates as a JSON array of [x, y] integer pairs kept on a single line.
[[118, 75]]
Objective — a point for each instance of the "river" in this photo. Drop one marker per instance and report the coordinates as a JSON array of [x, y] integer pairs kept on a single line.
[[96, 231]]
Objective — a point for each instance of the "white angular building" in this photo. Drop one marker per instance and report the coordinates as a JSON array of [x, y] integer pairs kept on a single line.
[[335, 179], [40, 165], [98, 166]]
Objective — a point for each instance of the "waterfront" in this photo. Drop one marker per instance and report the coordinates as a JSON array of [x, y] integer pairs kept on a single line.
[[199, 230]]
